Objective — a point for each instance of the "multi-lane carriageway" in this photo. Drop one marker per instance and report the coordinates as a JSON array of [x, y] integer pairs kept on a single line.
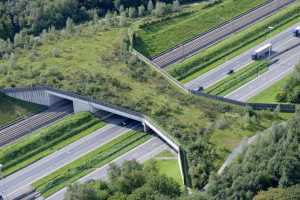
[[219, 33], [19, 183], [52, 114], [285, 55]]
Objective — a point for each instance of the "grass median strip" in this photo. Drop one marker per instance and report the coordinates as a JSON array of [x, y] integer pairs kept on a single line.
[[46, 141], [86, 164], [234, 45], [238, 79]]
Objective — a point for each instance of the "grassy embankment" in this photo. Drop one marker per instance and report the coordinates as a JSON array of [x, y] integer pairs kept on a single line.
[[87, 163], [269, 95], [237, 79], [167, 164], [12, 109], [47, 140], [160, 36], [234, 45], [88, 63]]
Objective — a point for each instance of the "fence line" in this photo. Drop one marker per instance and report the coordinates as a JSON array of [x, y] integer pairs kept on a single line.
[[289, 108], [159, 70]]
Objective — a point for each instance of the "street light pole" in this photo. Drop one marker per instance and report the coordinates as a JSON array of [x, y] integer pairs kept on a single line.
[[270, 28]]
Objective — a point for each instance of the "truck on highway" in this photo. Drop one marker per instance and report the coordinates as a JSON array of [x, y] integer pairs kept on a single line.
[[297, 31], [262, 52]]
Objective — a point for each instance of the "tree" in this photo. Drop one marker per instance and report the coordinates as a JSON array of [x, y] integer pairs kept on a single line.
[[122, 19], [160, 9], [150, 6], [176, 6], [141, 10], [132, 12], [70, 26]]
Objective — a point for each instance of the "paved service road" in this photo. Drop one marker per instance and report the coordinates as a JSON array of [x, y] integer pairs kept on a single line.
[[141, 153], [281, 42], [14, 184], [285, 65], [219, 33]]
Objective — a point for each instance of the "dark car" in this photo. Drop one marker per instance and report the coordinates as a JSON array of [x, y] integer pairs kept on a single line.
[[125, 122], [199, 89], [1, 197], [230, 71]]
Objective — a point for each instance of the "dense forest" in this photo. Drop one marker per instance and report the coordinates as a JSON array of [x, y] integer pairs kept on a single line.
[[33, 16], [273, 161]]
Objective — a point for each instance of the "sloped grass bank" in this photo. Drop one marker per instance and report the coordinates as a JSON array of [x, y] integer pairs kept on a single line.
[[234, 45], [86, 164], [12, 109], [45, 141], [160, 36]]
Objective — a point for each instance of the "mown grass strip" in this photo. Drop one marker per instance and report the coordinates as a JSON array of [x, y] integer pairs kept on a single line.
[[234, 45], [238, 79], [46, 141], [86, 164]]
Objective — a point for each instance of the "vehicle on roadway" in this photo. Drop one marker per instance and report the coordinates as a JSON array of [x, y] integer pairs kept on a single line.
[[230, 72], [262, 52], [125, 122], [296, 31], [199, 89]]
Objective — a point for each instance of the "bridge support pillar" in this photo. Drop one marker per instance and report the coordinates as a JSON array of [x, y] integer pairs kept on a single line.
[[145, 127]]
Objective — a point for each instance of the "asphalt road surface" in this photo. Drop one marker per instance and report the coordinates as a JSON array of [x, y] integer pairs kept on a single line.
[[281, 42], [284, 66], [14, 184], [218, 34], [141, 153]]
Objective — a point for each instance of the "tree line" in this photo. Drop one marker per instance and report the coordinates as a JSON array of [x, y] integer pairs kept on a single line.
[[33, 16]]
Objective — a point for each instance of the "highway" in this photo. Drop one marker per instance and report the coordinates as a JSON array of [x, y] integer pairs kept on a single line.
[[26, 126], [285, 65], [219, 33], [15, 184], [281, 42], [141, 153]]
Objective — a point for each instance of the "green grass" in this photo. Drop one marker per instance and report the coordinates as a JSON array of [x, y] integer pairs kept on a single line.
[[12, 109], [169, 166], [237, 79], [234, 45], [159, 36], [46, 141], [269, 95], [87, 163]]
